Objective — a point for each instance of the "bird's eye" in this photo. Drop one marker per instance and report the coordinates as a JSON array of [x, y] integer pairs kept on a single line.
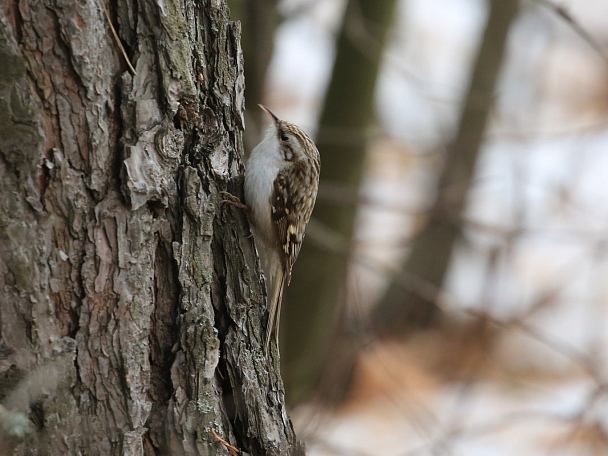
[[284, 137]]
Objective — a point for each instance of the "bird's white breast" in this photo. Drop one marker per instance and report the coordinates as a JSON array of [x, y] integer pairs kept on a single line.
[[264, 164]]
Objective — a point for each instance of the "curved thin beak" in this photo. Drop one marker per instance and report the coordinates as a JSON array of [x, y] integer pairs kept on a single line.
[[274, 118]]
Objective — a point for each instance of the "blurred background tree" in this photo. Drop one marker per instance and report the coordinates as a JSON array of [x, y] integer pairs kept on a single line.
[[313, 317], [432, 248], [259, 21], [461, 145], [348, 109]]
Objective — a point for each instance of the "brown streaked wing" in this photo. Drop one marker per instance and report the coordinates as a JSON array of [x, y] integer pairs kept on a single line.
[[290, 215]]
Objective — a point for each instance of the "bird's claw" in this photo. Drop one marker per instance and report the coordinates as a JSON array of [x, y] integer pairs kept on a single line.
[[233, 201]]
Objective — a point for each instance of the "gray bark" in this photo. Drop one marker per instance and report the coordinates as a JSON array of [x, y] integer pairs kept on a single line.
[[131, 307]]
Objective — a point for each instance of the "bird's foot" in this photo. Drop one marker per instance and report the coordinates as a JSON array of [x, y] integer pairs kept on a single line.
[[234, 201]]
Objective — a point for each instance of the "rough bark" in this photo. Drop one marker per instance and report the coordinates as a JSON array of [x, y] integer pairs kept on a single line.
[[131, 306], [432, 248]]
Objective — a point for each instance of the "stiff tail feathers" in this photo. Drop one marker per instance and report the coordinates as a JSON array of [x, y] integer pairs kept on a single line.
[[275, 297]]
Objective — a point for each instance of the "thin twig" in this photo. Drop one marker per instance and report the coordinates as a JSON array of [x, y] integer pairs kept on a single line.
[[233, 450], [561, 12], [122, 49]]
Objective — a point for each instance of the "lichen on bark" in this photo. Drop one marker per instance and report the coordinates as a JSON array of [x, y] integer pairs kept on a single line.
[[121, 273]]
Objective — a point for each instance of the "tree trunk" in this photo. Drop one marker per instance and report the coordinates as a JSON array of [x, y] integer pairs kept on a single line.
[[432, 249], [131, 308]]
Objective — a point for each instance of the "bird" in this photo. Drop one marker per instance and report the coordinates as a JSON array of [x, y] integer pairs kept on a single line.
[[280, 189]]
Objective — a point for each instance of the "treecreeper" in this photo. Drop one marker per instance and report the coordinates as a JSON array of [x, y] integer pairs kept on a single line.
[[281, 184]]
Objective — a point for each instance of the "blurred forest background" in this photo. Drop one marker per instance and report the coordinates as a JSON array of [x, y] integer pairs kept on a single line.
[[450, 297]]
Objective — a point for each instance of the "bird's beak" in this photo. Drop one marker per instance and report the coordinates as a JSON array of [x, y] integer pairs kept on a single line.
[[274, 118]]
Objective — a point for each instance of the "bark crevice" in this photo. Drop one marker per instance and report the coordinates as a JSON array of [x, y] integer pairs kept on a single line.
[[112, 236]]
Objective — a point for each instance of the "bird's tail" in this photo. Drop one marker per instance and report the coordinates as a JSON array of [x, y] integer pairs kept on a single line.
[[275, 296]]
